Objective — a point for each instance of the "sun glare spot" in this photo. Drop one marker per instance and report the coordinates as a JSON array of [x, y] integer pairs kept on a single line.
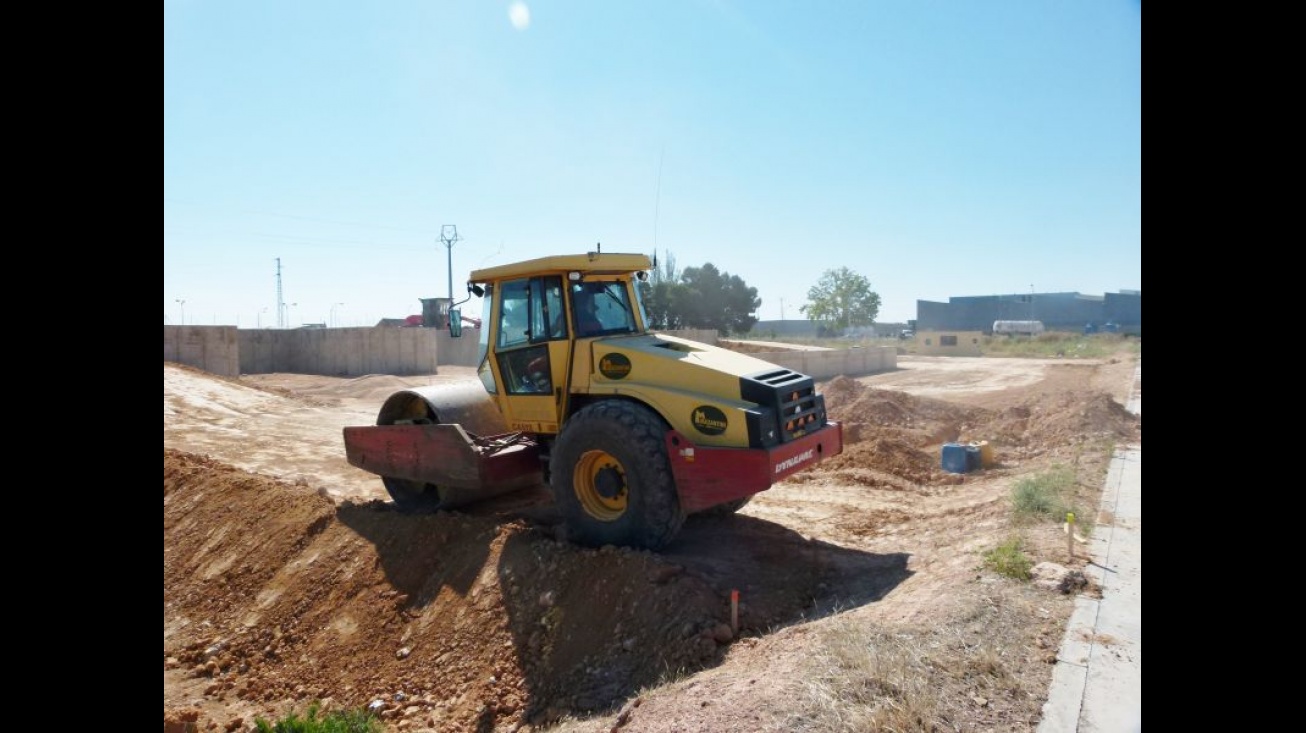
[[519, 15]]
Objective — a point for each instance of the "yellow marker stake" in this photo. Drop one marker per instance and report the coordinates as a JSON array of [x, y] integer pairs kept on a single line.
[[1070, 534], [734, 612]]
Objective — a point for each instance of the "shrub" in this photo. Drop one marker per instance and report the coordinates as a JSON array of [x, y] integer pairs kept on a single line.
[[1061, 344], [339, 721], [1009, 559], [1046, 495]]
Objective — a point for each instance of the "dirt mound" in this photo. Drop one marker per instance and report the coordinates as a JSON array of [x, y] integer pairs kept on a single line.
[[273, 595], [893, 438]]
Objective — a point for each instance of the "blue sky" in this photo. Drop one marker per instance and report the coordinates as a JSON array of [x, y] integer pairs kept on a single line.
[[939, 149]]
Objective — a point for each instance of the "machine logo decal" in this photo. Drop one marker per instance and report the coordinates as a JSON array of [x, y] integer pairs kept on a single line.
[[708, 420], [789, 463], [614, 366]]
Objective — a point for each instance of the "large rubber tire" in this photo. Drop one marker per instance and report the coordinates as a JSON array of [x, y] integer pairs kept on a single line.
[[612, 480], [412, 497]]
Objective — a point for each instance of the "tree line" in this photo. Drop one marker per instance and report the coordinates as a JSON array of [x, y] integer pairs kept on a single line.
[[710, 298]]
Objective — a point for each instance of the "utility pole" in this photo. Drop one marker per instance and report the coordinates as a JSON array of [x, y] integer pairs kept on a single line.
[[449, 235], [281, 304]]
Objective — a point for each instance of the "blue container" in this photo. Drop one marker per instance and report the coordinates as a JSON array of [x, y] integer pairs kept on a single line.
[[954, 457]]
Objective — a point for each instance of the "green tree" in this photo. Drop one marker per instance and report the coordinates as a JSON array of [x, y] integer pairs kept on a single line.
[[842, 299], [659, 291], [698, 297], [716, 299]]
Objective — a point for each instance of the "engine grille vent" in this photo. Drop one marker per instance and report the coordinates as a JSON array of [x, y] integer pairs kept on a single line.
[[790, 396]]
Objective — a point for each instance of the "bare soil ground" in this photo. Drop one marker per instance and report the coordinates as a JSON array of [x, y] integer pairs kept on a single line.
[[863, 603]]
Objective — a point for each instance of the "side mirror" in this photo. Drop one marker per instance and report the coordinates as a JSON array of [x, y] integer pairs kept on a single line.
[[455, 323], [475, 289]]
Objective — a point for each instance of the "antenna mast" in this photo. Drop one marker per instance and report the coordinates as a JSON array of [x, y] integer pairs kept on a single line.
[[657, 201]]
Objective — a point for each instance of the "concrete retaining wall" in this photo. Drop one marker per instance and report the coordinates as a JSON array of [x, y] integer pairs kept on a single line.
[[343, 352], [353, 352], [817, 364], [461, 351], [834, 362], [339, 352], [211, 348]]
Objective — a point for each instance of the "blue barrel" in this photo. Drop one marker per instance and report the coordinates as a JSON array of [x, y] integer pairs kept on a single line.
[[954, 458], [973, 458]]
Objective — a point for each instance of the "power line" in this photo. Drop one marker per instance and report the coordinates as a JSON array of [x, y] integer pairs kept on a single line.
[[293, 216], [293, 239]]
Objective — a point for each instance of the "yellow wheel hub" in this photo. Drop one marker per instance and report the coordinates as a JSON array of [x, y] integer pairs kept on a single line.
[[599, 481]]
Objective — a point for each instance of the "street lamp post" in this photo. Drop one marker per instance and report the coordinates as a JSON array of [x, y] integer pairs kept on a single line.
[[333, 313], [259, 317], [182, 303]]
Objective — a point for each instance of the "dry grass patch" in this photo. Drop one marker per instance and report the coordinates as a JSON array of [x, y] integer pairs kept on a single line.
[[986, 671]]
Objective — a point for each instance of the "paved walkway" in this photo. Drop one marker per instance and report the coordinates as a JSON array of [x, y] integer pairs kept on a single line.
[[1097, 686]]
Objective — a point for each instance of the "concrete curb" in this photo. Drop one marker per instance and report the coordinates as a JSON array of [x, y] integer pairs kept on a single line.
[[1097, 686]]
